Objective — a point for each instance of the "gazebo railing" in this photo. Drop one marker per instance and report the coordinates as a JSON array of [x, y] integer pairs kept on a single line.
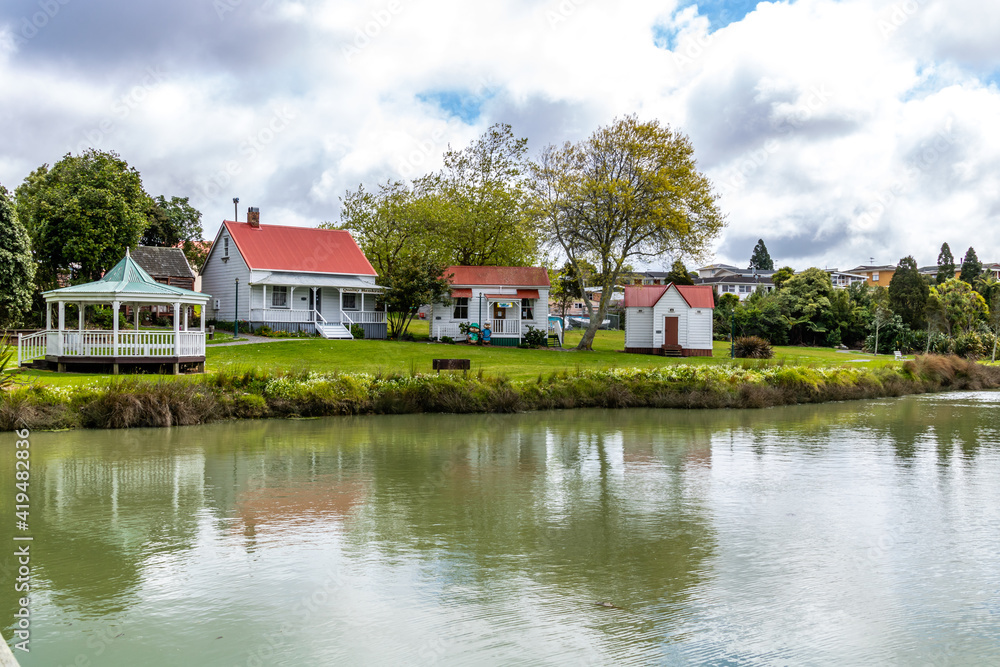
[[31, 347], [130, 343]]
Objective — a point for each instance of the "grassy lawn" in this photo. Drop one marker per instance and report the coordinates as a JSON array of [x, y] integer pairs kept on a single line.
[[374, 356]]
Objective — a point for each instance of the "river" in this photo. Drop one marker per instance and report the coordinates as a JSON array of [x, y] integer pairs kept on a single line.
[[839, 534]]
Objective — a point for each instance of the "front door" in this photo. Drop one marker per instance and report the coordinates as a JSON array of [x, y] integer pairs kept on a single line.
[[670, 331], [498, 312]]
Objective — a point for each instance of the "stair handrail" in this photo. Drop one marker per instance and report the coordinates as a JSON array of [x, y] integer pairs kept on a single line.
[[320, 316], [345, 316]]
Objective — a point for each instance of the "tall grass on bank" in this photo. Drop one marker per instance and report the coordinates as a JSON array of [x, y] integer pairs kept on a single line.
[[250, 393]]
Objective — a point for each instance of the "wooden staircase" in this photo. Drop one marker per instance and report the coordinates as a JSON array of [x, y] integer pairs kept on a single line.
[[334, 331], [671, 351]]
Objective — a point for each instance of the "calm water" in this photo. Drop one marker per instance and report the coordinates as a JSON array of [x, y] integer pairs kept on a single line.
[[846, 534]]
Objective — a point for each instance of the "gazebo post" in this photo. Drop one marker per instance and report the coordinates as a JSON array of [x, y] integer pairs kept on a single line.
[[48, 316], [114, 335], [177, 335], [80, 306], [135, 306]]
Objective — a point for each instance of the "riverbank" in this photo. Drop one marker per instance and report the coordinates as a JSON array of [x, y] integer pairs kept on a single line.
[[255, 394]]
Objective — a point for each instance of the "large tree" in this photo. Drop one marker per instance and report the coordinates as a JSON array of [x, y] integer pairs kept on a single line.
[[412, 283], [946, 264], [17, 267], [568, 286], [678, 274], [761, 259], [485, 189], [630, 191], [972, 268], [805, 300], [960, 305], [83, 213], [170, 223], [908, 293], [781, 276]]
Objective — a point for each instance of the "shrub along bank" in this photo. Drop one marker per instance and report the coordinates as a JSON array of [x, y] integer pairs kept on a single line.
[[255, 394]]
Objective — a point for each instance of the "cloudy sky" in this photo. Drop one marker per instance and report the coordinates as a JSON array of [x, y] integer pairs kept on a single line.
[[837, 131]]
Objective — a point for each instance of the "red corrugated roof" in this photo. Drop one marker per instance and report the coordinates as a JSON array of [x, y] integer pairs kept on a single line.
[[280, 248], [697, 296], [646, 296], [462, 292], [498, 275], [643, 296]]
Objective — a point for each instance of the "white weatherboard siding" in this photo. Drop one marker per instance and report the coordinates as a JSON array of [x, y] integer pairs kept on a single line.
[[444, 322], [670, 299], [639, 327], [218, 278], [700, 329]]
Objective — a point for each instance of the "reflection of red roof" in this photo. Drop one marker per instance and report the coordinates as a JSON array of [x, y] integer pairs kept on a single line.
[[646, 296], [498, 275], [303, 249]]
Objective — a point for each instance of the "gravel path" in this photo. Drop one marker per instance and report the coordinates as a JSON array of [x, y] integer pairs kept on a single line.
[[246, 339]]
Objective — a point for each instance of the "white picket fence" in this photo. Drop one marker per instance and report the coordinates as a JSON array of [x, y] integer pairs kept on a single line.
[[102, 344]]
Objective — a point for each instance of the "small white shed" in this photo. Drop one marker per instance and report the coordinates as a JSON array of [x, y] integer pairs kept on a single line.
[[669, 320]]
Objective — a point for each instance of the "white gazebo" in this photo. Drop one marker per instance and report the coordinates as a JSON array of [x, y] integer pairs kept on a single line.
[[127, 284]]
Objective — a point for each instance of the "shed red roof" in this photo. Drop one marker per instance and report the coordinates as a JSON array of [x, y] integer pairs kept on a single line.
[[697, 296], [302, 249], [498, 275], [646, 296]]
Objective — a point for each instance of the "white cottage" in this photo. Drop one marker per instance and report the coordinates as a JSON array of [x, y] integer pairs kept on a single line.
[[508, 299], [292, 279], [669, 320]]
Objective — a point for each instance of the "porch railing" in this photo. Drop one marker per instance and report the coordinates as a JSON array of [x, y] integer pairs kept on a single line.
[[506, 327], [366, 316], [281, 315]]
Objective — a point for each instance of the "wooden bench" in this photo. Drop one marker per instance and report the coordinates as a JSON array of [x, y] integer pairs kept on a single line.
[[451, 365]]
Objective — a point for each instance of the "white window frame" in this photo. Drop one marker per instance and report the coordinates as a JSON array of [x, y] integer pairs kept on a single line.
[[528, 305], [460, 302], [282, 292], [353, 304]]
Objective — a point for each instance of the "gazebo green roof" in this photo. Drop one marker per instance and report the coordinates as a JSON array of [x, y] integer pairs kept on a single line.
[[126, 281]]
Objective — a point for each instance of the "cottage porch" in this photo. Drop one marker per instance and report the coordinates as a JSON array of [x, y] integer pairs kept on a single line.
[[330, 308]]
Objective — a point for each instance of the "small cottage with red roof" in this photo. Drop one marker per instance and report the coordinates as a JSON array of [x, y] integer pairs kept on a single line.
[[292, 279], [669, 320], [506, 299]]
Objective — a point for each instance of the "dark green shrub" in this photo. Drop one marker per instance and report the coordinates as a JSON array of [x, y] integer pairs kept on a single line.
[[448, 339], [535, 337], [358, 331], [752, 347]]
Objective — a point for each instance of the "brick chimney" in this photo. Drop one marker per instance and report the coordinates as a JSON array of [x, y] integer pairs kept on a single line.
[[253, 217]]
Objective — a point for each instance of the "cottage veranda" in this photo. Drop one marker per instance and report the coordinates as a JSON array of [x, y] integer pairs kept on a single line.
[[292, 279]]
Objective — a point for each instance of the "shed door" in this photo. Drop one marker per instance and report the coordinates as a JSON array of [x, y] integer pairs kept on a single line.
[[670, 331]]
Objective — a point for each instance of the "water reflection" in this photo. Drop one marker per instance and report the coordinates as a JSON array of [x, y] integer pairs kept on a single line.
[[723, 536]]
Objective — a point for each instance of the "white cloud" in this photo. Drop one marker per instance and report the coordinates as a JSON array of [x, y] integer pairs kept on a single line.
[[817, 119]]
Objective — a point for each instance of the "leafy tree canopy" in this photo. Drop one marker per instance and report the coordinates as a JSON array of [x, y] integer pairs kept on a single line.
[[806, 301], [761, 259], [908, 293], [17, 266], [946, 264], [679, 274], [972, 268], [960, 306], [172, 222], [629, 191], [83, 213], [781, 276], [412, 283]]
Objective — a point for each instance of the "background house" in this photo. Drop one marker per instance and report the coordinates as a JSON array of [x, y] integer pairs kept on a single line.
[[167, 266], [728, 279], [669, 320], [507, 298], [876, 275], [292, 279]]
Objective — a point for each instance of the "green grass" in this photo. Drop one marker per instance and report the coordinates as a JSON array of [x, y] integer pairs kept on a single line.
[[374, 356]]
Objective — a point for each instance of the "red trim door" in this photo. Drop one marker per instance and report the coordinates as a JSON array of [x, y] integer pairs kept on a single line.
[[670, 331]]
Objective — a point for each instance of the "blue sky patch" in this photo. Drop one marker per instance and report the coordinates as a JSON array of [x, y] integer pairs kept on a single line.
[[462, 104], [721, 13]]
